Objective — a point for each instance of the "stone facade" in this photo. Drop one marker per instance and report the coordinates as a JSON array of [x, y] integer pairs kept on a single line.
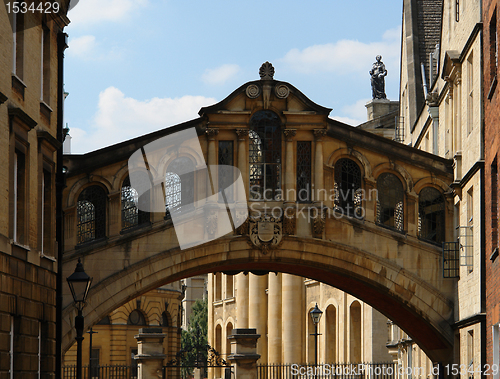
[[30, 136], [351, 331], [442, 114], [114, 342]]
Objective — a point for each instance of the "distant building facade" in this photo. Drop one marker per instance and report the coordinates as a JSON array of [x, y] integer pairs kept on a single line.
[[441, 106]]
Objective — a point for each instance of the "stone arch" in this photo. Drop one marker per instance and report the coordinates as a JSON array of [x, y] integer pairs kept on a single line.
[[84, 182], [397, 170], [415, 303], [431, 181], [363, 162], [119, 177], [184, 152], [227, 332]]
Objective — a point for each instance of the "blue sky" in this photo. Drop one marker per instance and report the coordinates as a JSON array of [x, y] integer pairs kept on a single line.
[[135, 66]]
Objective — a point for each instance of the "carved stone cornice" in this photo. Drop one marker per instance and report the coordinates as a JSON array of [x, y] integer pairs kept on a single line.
[[242, 134], [289, 133], [211, 133], [319, 133]]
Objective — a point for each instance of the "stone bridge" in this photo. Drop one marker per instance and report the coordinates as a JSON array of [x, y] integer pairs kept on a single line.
[[362, 213]]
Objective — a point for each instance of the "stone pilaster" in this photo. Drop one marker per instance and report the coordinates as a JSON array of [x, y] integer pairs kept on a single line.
[[150, 354], [319, 183], [244, 353], [242, 154], [212, 158]]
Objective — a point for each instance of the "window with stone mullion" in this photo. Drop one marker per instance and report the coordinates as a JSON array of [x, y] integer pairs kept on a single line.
[[226, 171], [303, 171]]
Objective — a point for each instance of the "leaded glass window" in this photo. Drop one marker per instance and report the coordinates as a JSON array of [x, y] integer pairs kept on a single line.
[[347, 188], [226, 172], [303, 171], [91, 214], [173, 187], [390, 201], [265, 156], [431, 213], [179, 185], [131, 214]]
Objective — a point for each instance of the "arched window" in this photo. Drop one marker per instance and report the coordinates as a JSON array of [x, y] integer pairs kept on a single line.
[[355, 332], [136, 317], [331, 334], [431, 215], [179, 185], [164, 319], [265, 156], [347, 188], [390, 209], [91, 214], [131, 215]]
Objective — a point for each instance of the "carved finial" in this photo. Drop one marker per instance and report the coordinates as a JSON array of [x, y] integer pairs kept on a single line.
[[266, 71]]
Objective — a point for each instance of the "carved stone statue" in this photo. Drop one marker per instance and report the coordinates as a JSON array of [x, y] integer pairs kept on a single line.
[[378, 73]]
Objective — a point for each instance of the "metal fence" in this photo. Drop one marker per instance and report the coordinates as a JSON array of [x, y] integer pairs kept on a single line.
[[102, 372], [328, 371]]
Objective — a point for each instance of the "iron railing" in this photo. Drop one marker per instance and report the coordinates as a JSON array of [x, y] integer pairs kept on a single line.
[[328, 371], [102, 372]]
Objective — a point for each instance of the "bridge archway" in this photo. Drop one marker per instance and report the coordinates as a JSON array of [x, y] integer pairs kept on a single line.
[[399, 294]]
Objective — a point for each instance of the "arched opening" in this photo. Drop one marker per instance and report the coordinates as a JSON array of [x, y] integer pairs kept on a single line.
[[311, 338], [431, 215], [91, 214], [229, 331], [218, 347], [136, 317], [265, 156], [347, 187], [390, 201], [179, 186], [330, 344], [355, 332]]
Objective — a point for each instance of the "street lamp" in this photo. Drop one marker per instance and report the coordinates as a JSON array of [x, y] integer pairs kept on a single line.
[[315, 316], [79, 284]]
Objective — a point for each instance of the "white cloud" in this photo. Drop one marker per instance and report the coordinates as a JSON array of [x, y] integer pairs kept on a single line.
[[221, 74], [83, 46], [354, 114], [120, 118], [94, 11], [346, 56]]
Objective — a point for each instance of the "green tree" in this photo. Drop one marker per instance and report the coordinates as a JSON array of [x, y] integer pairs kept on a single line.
[[194, 340]]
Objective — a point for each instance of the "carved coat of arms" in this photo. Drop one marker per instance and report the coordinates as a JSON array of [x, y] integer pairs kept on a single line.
[[266, 233]]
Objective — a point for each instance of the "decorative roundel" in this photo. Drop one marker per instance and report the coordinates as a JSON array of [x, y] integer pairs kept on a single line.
[[281, 91], [253, 91]]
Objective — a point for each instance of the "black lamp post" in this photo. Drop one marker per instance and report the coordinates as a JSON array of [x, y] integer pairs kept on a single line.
[[79, 284], [316, 316]]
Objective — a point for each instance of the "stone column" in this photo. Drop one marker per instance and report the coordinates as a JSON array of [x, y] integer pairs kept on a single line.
[[319, 183], [150, 353], [242, 301], [274, 319], [257, 312], [244, 353], [370, 200], [291, 318]]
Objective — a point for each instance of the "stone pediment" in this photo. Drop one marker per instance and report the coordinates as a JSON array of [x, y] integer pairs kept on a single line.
[[266, 93]]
